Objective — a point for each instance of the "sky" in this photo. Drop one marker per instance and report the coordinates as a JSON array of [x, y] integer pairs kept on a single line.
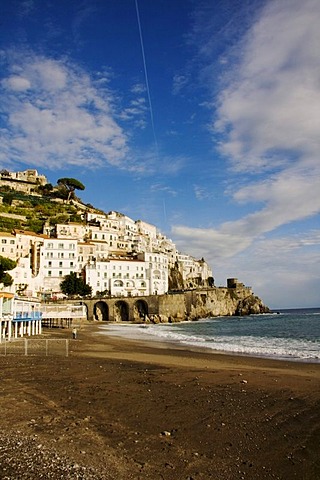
[[201, 117]]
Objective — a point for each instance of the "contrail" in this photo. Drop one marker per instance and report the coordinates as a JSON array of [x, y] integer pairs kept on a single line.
[[146, 77]]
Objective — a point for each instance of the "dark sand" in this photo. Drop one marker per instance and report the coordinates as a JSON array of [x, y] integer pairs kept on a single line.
[[118, 409]]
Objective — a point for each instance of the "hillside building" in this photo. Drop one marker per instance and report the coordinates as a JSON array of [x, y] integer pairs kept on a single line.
[[115, 254], [26, 181]]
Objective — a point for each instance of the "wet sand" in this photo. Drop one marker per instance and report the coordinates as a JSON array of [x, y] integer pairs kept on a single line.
[[120, 409]]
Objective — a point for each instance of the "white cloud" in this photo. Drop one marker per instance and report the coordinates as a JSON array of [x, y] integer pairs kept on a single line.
[[202, 193], [16, 83], [57, 115], [271, 105], [158, 187], [284, 271], [267, 123], [137, 109], [152, 161], [269, 115], [179, 82]]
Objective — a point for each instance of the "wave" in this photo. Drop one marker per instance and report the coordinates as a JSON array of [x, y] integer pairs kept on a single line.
[[277, 348]]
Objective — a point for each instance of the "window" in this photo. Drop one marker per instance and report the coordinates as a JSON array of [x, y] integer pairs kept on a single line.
[[49, 273], [49, 264], [60, 245], [60, 264], [60, 273], [3, 240]]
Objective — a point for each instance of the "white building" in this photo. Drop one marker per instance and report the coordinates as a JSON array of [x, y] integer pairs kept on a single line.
[[119, 276], [8, 246], [58, 259], [194, 272], [86, 254], [157, 272], [146, 229], [70, 230], [24, 283], [117, 255]]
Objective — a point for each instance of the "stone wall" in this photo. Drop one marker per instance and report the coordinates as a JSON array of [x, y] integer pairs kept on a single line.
[[188, 305]]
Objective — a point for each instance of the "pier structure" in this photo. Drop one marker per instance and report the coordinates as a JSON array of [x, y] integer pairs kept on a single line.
[[63, 315], [19, 317]]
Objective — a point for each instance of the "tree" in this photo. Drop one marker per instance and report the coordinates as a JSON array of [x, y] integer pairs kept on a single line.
[[70, 185], [73, 285], [45, 189], [8, 198], [6, 264]]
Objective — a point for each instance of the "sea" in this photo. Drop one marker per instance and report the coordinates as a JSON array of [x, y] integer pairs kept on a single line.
[[292, 334]]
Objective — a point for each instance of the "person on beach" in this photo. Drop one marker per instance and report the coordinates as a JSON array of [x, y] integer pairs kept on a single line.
[[74, 333]]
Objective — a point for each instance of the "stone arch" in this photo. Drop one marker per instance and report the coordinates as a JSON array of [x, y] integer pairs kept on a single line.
[[140, 310], [87, 309], [121, 311], [101, 311]]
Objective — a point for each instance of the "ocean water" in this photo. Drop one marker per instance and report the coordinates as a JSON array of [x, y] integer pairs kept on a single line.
[[287, 334]]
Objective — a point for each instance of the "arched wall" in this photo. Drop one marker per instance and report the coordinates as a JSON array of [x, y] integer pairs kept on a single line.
[[122, 309]]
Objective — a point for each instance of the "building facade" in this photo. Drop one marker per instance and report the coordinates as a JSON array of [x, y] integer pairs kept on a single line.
[[113, 253]]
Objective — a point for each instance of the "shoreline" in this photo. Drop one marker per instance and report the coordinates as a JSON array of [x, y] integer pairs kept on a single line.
[[166, 353], [113, 330]]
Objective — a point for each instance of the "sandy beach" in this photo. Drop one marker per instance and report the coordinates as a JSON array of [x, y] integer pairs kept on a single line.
[[120, 409]]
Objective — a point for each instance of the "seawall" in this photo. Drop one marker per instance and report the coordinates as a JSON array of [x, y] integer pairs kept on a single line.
[[178, 306]]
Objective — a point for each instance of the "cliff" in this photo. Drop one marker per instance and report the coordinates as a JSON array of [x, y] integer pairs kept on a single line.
[[211, 302], [225, 302]]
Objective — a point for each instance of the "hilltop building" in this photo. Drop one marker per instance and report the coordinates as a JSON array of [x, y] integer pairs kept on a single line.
[[26, 181]]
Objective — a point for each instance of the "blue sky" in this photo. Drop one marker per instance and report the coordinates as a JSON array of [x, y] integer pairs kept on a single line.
[[205, 121]]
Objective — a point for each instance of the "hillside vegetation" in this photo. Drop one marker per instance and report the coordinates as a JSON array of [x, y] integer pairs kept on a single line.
[[30, 212]]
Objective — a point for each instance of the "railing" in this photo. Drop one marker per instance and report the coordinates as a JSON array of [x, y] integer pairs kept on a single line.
[[33, 347], [28, 316], [63, 311]]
